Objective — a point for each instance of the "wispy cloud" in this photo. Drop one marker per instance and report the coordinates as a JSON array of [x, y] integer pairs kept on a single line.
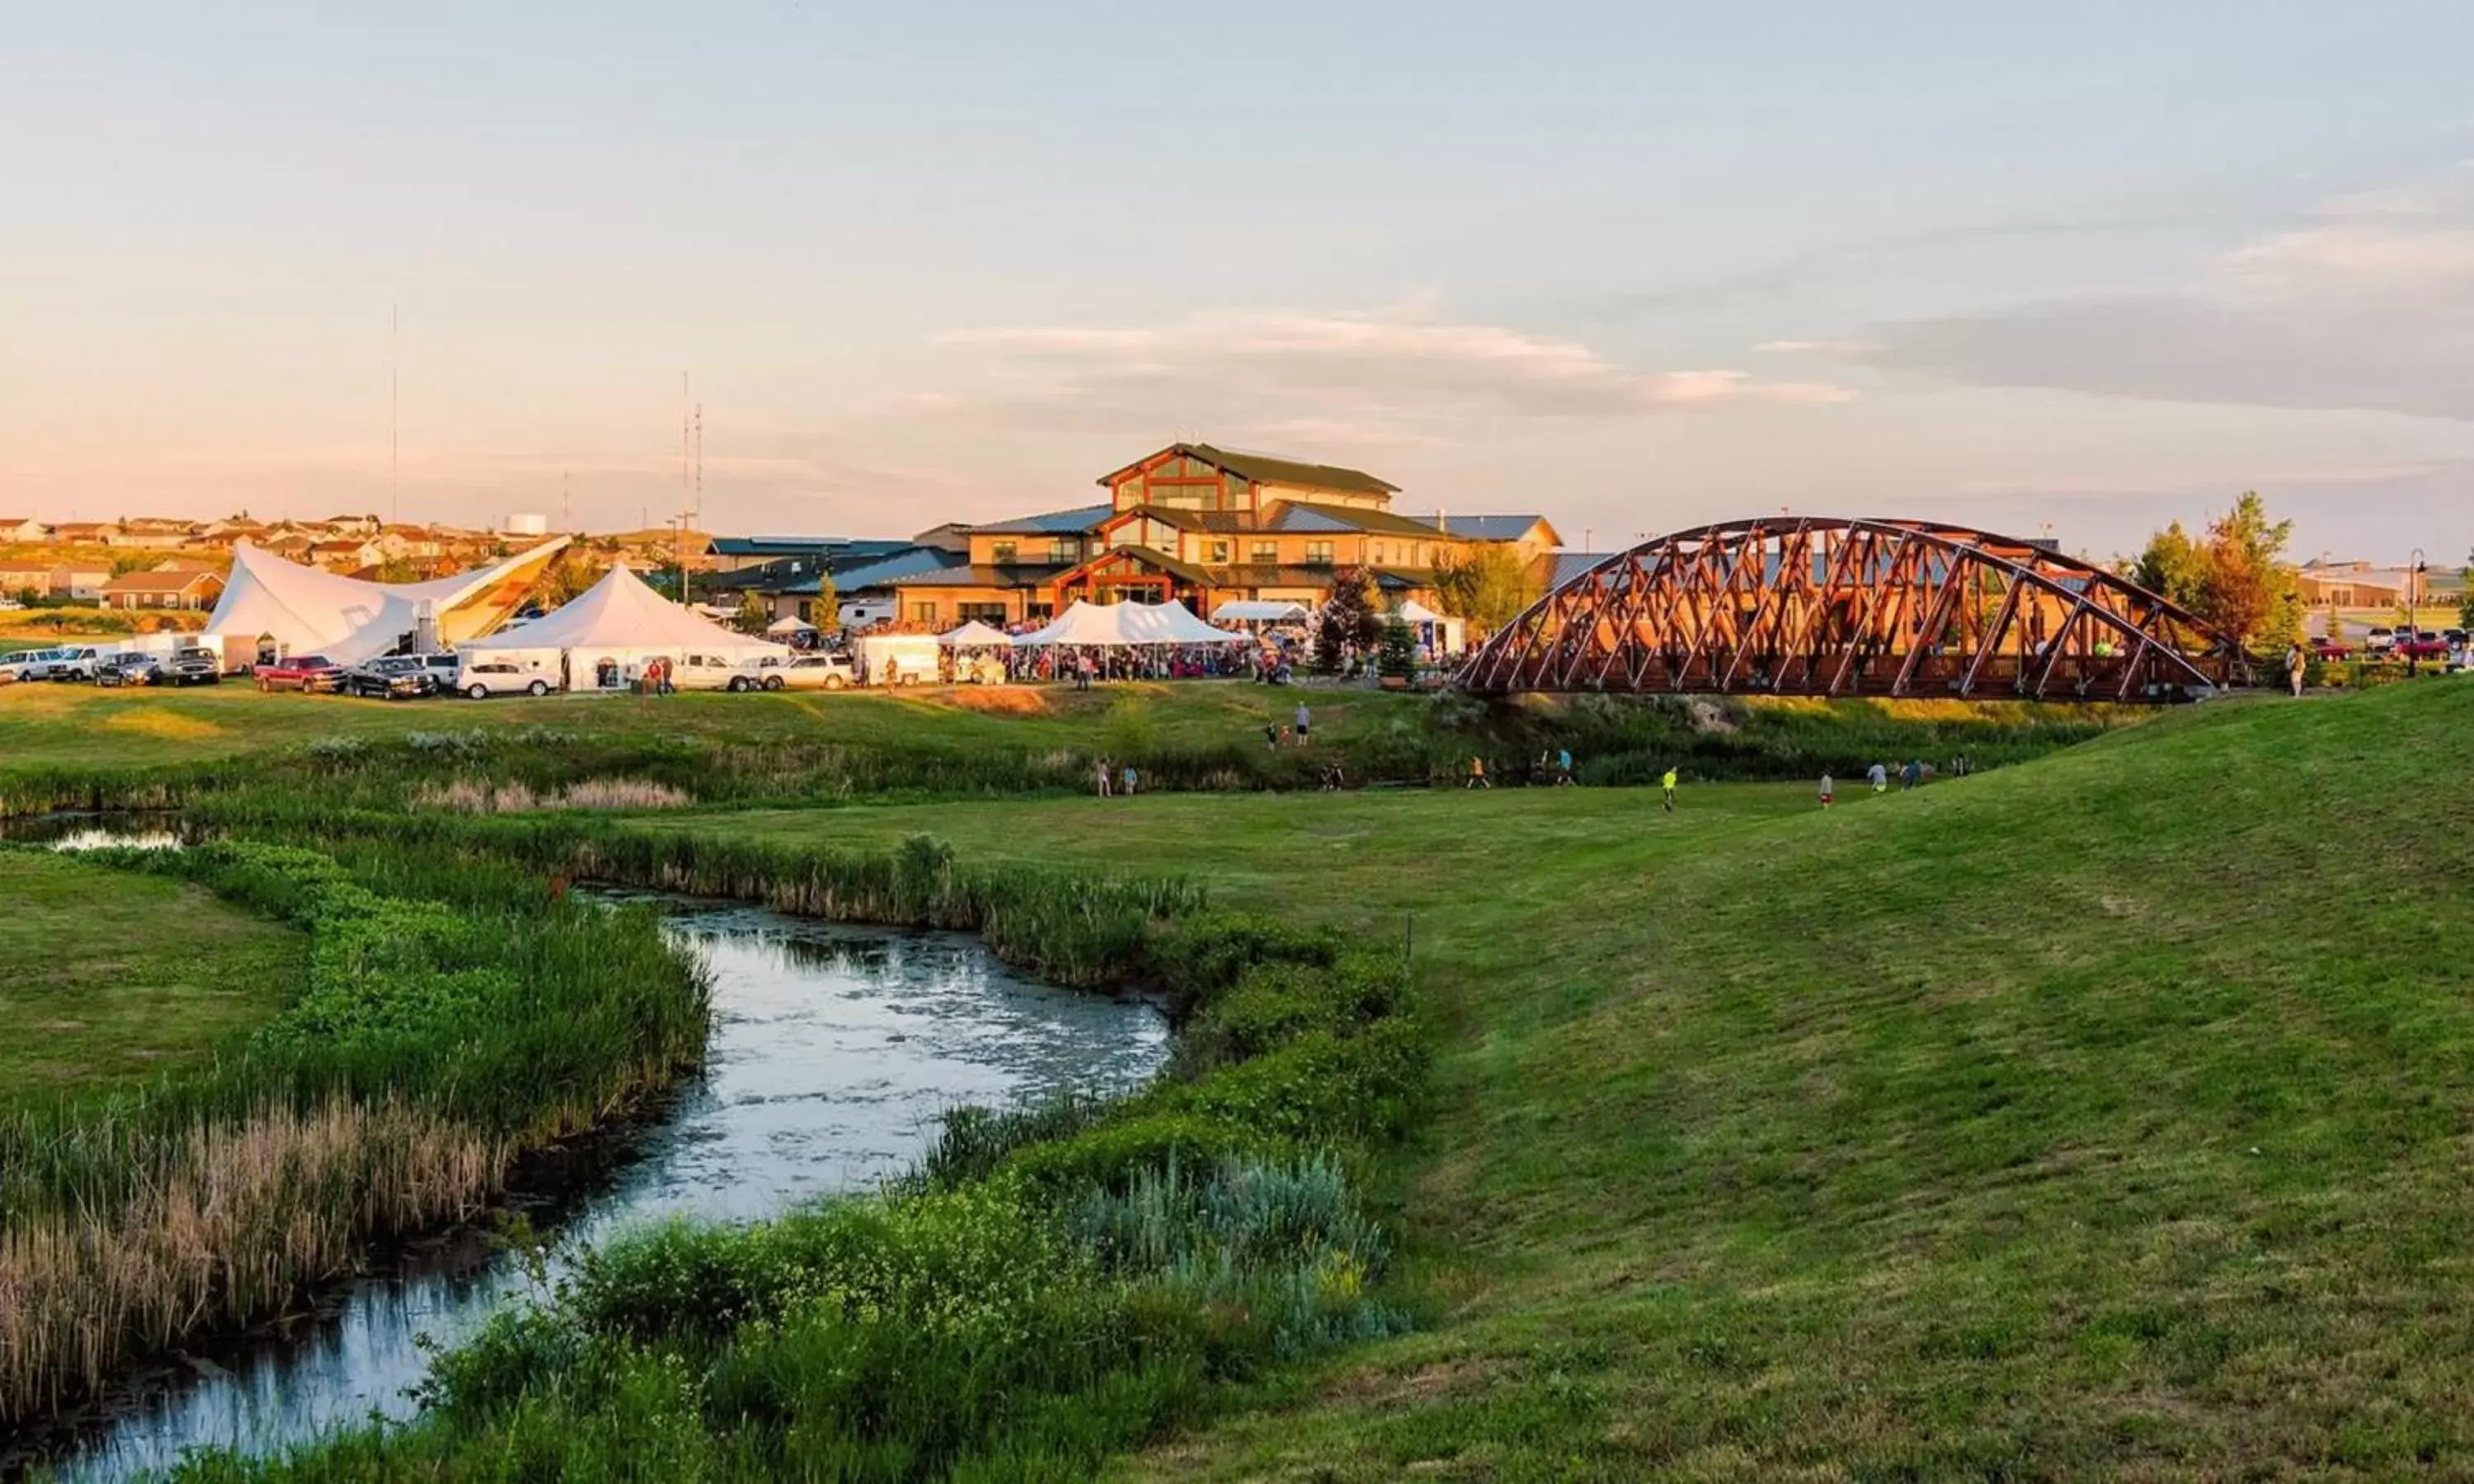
[[2368, 306], [1385, 374]]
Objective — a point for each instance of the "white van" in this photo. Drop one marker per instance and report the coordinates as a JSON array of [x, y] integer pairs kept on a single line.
[[899, 659]]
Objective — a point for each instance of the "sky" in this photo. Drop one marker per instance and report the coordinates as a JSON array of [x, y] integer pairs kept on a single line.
[[2067, 270]]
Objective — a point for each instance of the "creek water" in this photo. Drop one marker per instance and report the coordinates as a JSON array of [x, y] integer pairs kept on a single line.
[[835, 1050]]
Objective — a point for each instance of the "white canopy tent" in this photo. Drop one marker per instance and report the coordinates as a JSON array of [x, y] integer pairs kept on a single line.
[[975, 635], [1251, 611], [618, 624], [304, 611], [789, 626], [1441, 633], [1122, 623]]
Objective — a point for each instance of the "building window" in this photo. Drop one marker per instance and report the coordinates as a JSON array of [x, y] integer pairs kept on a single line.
[[1267, 554], [807, 610], [990, 614], [1063, 548], [1318, 553], [1002, 553], [924, 612], [1219, 552]]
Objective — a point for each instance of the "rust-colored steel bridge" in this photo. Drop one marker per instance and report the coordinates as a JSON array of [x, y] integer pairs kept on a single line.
[[1812, 607]]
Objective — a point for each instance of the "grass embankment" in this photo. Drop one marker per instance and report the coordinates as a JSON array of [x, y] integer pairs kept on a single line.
[[1055, 1283], [81, 747], [104, 977], [2103, 1115], [416, 1051]]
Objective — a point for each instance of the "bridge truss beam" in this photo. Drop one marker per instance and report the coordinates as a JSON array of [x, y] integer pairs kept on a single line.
[[1804, 606]]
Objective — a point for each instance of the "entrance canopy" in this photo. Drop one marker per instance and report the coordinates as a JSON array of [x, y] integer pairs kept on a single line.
[[975, 635], [1250, 611], [1121, 624], [305, 610], [619, 618], [789, 626]]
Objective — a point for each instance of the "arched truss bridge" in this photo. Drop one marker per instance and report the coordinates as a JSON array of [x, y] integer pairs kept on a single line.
[[1812, 607]]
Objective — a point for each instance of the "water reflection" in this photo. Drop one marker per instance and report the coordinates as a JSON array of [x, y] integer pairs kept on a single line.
[[834, 1051]]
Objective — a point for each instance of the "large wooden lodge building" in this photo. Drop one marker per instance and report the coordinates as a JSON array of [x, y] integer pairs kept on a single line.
[[1193, 524]]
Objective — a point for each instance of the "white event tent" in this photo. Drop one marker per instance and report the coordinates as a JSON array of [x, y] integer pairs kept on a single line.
[[623, 623], [300, 610], [1250, 611], [975, 635], [1121, 624]]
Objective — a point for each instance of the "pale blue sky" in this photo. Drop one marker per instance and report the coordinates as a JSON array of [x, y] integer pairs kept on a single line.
[[1632, 266]]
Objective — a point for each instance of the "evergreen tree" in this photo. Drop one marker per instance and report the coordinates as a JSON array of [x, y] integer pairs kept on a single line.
[[1398, 656], [1349, 623]]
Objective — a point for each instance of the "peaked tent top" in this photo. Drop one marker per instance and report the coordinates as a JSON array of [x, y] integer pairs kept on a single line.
[[1414, 612], [1130, 623], [789, 626], [349, 619], [620, 613], [973, 635]]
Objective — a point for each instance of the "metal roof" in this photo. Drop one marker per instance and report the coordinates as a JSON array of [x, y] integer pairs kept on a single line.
[[1307, 516], [1487, 528], [1266, 468], [907, 562], [1056, 522]]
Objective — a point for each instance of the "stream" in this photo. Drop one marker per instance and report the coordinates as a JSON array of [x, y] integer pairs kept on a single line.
[[835, 1050]]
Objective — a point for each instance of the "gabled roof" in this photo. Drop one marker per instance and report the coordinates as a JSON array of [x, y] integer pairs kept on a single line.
[[1266, 468], [159, 582], [1490, 528], [1389, 578], [1299, 516], [1570, 565], [823, 547], [1056, 522]]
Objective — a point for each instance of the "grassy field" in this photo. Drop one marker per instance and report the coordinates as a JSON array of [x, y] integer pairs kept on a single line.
[[2099, 1115], [105, 976]]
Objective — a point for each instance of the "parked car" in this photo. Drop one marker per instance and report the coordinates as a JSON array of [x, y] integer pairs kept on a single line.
[[443, 669], [2379, 641], [191, 666], [300, 672], [482, 679], [76, 662], [25, 665], [131, 669], [2456, 636], [2330, 649], [2424, 646], [811, 672], [712, 672], [388, 678]]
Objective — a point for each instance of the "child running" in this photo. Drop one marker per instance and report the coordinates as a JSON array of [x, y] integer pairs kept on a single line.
[[1668, 784]]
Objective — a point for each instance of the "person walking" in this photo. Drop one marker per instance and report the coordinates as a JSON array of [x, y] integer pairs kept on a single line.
[[2296, 665], [1099, 775], [1563, 767], [1304, 721], [1667, 783], [1126, 781], [1878, 777], [1477, 774], [1913, 776], [1826, 790]]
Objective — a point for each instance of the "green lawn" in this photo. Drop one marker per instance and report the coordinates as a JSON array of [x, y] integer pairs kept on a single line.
[[2099, 1115], [107, 976], [44, 725]]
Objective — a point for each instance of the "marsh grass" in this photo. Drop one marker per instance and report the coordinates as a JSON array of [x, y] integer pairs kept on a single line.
[[428, 1045]]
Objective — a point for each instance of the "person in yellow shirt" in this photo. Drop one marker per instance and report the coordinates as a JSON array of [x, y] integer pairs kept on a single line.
[[1477, 774], [1668, 783]]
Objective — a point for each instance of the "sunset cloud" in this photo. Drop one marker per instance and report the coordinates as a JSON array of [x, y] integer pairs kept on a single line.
[[1386, 369]]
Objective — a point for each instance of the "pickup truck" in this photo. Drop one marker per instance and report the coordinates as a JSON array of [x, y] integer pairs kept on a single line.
[[391, 678], [300, 672], [2424, 646]]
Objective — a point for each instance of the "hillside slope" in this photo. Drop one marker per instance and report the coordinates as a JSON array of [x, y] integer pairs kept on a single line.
[[2108, 1114]]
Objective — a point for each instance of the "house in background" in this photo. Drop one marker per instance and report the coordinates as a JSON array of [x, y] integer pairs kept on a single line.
[[176, 589], [345, 555], [23, 528]]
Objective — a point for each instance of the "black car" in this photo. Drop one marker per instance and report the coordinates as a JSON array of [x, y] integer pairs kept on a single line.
[[189, 667], [394, 678], [128, 670]]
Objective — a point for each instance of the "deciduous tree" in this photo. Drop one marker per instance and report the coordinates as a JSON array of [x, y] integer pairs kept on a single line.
[[1489, 586]]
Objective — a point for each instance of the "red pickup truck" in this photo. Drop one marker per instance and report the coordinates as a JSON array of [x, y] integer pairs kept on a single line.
[[300, 672], [2422, 647]]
